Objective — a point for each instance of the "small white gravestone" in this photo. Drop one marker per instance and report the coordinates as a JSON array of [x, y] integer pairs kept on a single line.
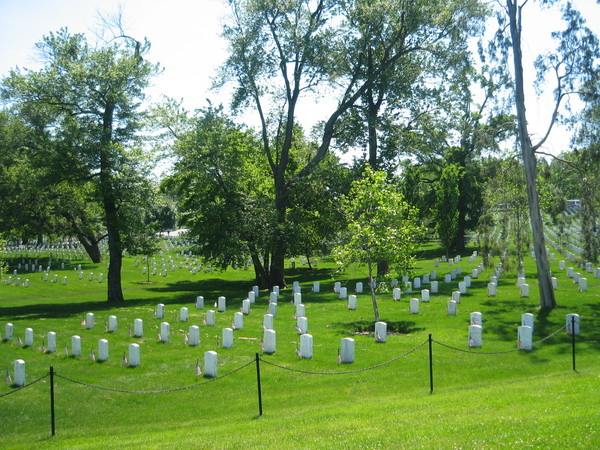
[[462, 287], [444, 258], [19, 368], [269, 341], [583, 284], [359, 288], [112, 324], [576, 277], [91, 276], [396, 294], [352, 302], [246, 306], [525, 337], [561, 265], [456, 296], [134, 355], [447, 278], [527, 320], [491, 289], [451, 308], [8, 331], [521, 281], [453, 274], [434, 287], [211, 317], [589, 267], [476, 318], [336, 287], [200, 302], [417, 283], [425, 295], [554, 283], [138, 328], [165, 332], [183, 314], [433, 275], [102, 350], [268, 322], [467, 280], [210, 364], [238, 320], [302, 325], [222, 304], [227, 335], [276, 289], [272, 309], [194, 332], [524, 290], [273, 297], [572, 324], [316, 287], [296, 287], [570, 272], [76, 345], [475, 336], [380, 332], [51, 336], [426, 279], [251, 296], [343, 293], [46, 276], [28, 337], [55, 279], [597, 272], [474, 273], [100, 278], [414, 306], [89, 321], [300, 310], [297, 298], [256, 291], [306, 346], [160, 311], [436, 263], [347, 351]]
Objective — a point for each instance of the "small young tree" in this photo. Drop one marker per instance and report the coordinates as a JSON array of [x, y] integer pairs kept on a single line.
[[381, 226], [446, 205]]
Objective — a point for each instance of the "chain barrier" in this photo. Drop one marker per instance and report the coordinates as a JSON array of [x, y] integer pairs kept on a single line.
[[159, 391], [499, 352], [347, 371], [24, 386]]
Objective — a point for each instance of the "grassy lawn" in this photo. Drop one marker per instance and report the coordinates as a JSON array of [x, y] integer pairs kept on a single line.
[[482, 397]]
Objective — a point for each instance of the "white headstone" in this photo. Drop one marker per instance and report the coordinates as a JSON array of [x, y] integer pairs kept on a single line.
[[300, 310], [521, 281], [306, 346], [276, 289], [160, 311], [28, 337], [572, 324], [76, 345], [51, 342], [527, 320], [475, 336], [524, 290], [434, 287], [456, 296], [89, 321], [138, 328], [238, 320], [525, 338], [297, 298], [268, 321], [426, 279], [246, 306], [554, 283], [417, 283], [570, 272], [316, 287], [453, 274], [462, 287], [134, 355], [251, 296], [447, 278], [359, 288], [343, 293], [183, 314], [222, 304], [467, 280], [352, 302], [8, 331], [474, 273], [451, 308], [102, 350], [380, 332], [433, 275], [210, 364], [200, 302], [583, 284], [273, 309], [597, 272], [396, 294], [227, 335], [256, 292], [336, 287], [269, 341], [194, 332], [112, 324], [165, 332], [19, 368], [425, 295], [302, 325], [491, 289], [414, 306], [347, 351], [211, 318], [476, 318]]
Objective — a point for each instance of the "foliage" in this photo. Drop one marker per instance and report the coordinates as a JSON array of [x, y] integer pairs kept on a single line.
[[446, 205]]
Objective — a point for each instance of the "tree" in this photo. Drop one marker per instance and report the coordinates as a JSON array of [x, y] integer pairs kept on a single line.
[[86, 100], [446, 205], [381, 225]]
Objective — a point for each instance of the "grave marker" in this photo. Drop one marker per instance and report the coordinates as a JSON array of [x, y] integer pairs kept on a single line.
[[227, 337], [269, 341], [211, 317], [28, 337], [380, 332], [451, 308], [160, 311], [475, 336], [525, 338], [210, 364], [183, 314], [527, 320], [138, 328], [491, 289], [222, 304], [102, 350], [524, 290], [89, 321], [238, 320], [268, 322], [316, 287], [306, 346], [165, 332], [302, 325], [425, 295], [8, 331], [359, 288], [569, 324], [246, 306], [194, 331], [300, 311], [434, 287], [476, 318], [414, 306], [200, 302], [76, 345], [51, 336], [347, 351], [352, 302], [343, 293], [134, 355], [19, 371]]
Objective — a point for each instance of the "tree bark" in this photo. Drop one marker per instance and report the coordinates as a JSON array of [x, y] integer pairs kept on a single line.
[[547, 299]]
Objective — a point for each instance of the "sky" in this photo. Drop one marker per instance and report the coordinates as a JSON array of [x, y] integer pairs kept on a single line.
[[185, 38]]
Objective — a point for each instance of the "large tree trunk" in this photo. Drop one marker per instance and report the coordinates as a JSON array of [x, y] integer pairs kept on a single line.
[[277, 267], [547, 299], [262, 277]]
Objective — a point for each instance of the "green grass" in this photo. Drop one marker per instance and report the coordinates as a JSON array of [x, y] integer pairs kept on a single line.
[[526, 399]]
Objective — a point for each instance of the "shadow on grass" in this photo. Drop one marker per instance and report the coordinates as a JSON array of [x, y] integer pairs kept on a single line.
[[368, 327]]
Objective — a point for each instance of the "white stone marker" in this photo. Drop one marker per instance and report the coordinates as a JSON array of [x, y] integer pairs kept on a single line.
[[456, 296], [570, 272], [527, 320], [211, 318], [475, 336], [89, 321], [51, 336], [554, 283], [165, 332], [380, 332], [316, 287], [297, 298], [273, 297], [447, 278], [134, 355], [343, 293], [434, 287], [272, 309], [100, 278], [138, 328], [306, 346], [276, 290], [251, 296], [521, 281], [453, 274], [491, 289], [597, 272], [467, 280], [19, 368], [474, 273], [462, 287], [296, 287], [256, 292], [525, 337], [227, 335], [238, 320], [76, 345], [300, 311], [28, 337], [352, 302], [112, 324], [476, 318], [160, 311], [569, 324], [433, 275], [102, 350], [336, 287], [425, 295], [8, 331], [417, 283], [576, 277], [268, 322], [561, 265], [246, 306], [183, 314], [396, 294], [582, 284], [524, 290], [200, 302], [426, 279], [210, 364], [359, 288], [222, 304], [302, 325], [194, 332], [347, 351], [414, 306], [451, 308], [269, 341]]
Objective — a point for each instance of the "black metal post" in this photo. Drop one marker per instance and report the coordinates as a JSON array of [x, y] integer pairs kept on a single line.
[[573, 340], [260, 411], [52, 400], [430, 366]]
